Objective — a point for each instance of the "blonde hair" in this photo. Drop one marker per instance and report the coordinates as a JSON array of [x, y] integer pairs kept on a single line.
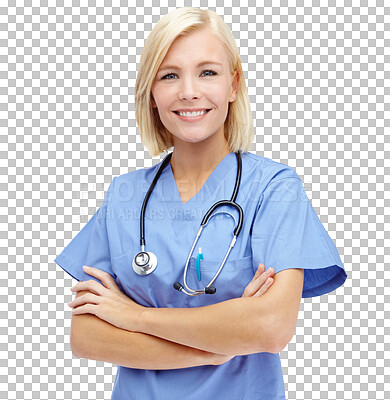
[[183, 21]]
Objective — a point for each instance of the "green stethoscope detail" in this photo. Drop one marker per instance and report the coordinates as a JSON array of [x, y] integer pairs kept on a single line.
[[200, 257]]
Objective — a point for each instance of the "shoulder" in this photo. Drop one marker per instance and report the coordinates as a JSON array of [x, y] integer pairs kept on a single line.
[[132, 184], [138, 174], [137, 177], [267, 170]]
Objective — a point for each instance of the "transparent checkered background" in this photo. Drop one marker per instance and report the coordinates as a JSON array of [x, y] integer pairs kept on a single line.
[[318, 76]]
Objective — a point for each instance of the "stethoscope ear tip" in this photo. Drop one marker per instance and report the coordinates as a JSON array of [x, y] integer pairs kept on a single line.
[[210, 290], [178, 286]]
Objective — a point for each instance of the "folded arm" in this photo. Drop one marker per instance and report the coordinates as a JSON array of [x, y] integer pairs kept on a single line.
[[234, 327], [96, 339]]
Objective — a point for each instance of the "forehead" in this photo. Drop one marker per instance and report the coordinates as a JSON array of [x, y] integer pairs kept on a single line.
[[196, 47]]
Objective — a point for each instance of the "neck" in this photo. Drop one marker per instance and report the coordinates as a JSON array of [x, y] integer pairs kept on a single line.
[[195, 161]]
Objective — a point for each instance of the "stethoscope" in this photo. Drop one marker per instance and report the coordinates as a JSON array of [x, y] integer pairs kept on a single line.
[[145, 262]]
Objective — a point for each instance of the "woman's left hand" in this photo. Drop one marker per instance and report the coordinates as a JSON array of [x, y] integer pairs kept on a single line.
[[106, 301]]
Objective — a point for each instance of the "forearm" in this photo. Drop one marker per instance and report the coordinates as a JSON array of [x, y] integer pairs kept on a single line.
[[238, 326], [95, 339]]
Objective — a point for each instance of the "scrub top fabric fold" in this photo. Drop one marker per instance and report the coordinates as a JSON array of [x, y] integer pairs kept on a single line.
[[280, 229]]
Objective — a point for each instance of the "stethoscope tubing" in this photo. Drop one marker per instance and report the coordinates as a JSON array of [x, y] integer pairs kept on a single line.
[[227, 203], [189, 291], [206, 218], [146, 199]]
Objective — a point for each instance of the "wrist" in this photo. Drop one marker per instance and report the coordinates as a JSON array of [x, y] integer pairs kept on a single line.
[[138, 320]]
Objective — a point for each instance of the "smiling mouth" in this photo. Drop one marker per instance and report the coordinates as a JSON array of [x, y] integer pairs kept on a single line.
[[177, 113]]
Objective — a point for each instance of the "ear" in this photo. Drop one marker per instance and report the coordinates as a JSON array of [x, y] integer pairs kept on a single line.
[[235, 83]]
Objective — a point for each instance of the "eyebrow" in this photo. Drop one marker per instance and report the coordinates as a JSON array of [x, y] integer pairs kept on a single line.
[[199, 65]]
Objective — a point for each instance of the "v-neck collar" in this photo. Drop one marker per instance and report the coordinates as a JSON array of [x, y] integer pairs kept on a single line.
[[210, 186]]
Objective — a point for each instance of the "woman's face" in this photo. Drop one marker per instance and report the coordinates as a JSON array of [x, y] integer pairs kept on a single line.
[[194, 76]]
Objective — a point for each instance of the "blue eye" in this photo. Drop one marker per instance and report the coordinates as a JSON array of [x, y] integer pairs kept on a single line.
[[172, 73], [209, 70], [165, 76]]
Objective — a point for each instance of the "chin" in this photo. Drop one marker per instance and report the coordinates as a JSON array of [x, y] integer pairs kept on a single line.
[[195, 141], [195, 138], [191, 139]]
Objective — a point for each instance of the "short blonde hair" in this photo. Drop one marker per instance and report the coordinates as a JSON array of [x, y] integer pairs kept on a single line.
[[183, 21]]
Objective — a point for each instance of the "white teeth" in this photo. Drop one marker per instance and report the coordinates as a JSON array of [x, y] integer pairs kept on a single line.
[[194, 114]]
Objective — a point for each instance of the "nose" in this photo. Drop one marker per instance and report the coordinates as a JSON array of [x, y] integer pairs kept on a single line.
[[189, 89]]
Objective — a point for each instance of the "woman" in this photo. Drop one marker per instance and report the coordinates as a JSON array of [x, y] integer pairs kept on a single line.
[[223, 342]]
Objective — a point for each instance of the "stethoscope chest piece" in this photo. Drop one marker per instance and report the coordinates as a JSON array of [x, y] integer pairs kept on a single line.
[[144, 263]]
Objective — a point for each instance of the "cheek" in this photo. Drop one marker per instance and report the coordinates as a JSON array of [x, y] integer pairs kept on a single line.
[[222, 96], [161, 98]]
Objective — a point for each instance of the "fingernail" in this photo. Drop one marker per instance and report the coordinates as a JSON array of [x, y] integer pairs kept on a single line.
[[85, 267]]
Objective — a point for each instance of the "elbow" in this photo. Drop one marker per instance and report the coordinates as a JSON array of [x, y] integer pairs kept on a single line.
[[80, 332], [274, 345], [279, 345], [78, 344], [76, 348], [278, 334], [281, 337]]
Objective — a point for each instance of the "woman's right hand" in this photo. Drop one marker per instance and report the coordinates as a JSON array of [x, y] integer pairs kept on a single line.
[[259, 285]]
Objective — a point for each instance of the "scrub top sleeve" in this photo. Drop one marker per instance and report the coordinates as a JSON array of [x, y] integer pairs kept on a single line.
[[90, 246], [287, 233]]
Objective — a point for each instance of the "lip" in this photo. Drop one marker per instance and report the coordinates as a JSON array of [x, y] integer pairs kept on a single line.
[[190, 109], [193, 119]]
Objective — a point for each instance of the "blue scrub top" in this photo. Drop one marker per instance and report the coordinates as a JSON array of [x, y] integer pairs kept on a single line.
[[280, 230]]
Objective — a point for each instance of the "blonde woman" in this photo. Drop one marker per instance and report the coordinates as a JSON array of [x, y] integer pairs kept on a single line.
[[197, 265]]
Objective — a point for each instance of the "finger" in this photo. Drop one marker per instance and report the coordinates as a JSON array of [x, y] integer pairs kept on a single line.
[[259, 271], [269, 282], [106, 279], [91, 285], [254, 286], [257, 283], [88, 298], [85, 309]]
